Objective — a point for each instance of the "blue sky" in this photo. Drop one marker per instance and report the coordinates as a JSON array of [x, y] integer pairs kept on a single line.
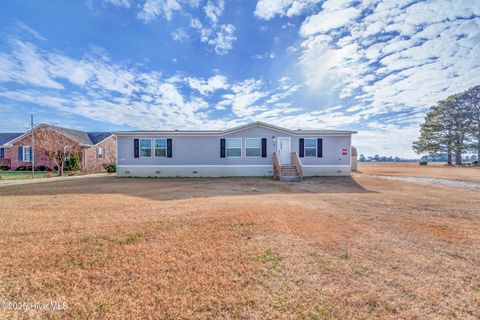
[[374, 66]]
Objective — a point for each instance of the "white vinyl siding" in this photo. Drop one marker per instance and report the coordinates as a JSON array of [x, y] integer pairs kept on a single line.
[[234, 148], [145, 148], [310, 147]]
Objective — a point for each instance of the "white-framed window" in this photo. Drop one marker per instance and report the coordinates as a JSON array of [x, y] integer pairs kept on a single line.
[[253, 147], [27, 156], [145, 148], [160, 148], [234, 148], [100, 153], [310, 147]]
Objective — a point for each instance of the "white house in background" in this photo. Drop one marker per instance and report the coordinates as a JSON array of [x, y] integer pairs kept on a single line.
[[255, 149]]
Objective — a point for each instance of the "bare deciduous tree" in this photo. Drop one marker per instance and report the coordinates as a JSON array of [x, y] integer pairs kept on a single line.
[[55, 146]]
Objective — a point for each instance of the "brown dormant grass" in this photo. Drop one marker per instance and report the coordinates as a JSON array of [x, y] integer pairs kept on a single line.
[[432, 170], [326, 248]]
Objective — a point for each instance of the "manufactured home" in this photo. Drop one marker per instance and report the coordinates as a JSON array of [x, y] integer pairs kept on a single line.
[[255, 149]]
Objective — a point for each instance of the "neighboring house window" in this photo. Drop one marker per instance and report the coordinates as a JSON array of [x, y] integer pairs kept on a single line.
[[160, 147], [100, 153], [2, 153], [234, 148], [145, 148], [253, 147], [27, 156], [66, 149], [310, 147]]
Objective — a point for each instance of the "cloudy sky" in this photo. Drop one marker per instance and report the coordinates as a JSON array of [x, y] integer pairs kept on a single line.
[[374, 66]]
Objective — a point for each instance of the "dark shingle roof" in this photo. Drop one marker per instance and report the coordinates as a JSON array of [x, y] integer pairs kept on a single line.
[[96, 137], [77, 135], [8, 136], [82, 137]]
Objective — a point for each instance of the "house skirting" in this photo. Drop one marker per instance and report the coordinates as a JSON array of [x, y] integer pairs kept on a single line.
[[222, 170], [326, 170]]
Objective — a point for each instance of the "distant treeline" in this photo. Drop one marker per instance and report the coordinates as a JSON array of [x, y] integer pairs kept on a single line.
[[377, 158], [433, 158]]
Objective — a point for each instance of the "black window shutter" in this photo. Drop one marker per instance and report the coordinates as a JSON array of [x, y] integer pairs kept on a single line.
[[264, 147], [169, 148], [136, 148], [20, 153], [319, 148], [300, 147], [222, 148]]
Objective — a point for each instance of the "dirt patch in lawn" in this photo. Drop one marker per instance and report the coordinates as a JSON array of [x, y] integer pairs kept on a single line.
[[240, 248]]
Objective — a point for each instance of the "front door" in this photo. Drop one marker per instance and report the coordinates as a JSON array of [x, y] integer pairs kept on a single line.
[[283, 150]]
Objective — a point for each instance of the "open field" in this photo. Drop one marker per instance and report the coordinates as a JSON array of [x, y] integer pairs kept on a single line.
[[432, 170], [241, 248]]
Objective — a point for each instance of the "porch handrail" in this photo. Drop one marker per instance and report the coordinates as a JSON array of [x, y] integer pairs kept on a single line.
[[298, 164], [276, 166]]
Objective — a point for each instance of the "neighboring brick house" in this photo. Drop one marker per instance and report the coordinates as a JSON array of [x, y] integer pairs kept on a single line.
[[96, 148], [6, 152]]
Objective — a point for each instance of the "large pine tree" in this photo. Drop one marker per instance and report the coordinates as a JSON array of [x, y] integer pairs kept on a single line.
[[435, 136], [447, 128], [472, 95]]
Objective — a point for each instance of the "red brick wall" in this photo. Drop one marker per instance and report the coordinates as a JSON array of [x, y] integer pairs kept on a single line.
[[91, 163], [7, 157], [40, 158], [88, 155]]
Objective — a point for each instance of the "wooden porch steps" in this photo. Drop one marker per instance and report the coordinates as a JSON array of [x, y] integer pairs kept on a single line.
[[289, 173]]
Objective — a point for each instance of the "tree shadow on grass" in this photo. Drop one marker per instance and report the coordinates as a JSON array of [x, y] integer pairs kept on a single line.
[[184, 188]]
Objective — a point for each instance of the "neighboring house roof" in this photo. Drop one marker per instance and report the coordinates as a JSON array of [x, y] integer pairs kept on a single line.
[[7, 137], [97, 137], [222, 132], [82, 137], [79, 136]]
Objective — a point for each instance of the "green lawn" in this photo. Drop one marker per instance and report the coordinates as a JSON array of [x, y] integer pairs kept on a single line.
[[18, 175]]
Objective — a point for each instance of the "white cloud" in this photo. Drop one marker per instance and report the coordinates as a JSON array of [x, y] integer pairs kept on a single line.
[[328, 20], [223, 39], [206, 87], [153, 8], [386, 140], [24, 27], [180, 35], [76, 72], [384, 59], [119, 3], [425, 57], [102, 90], [220, 36], [26, 66], [214, 11], [268, 9]]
